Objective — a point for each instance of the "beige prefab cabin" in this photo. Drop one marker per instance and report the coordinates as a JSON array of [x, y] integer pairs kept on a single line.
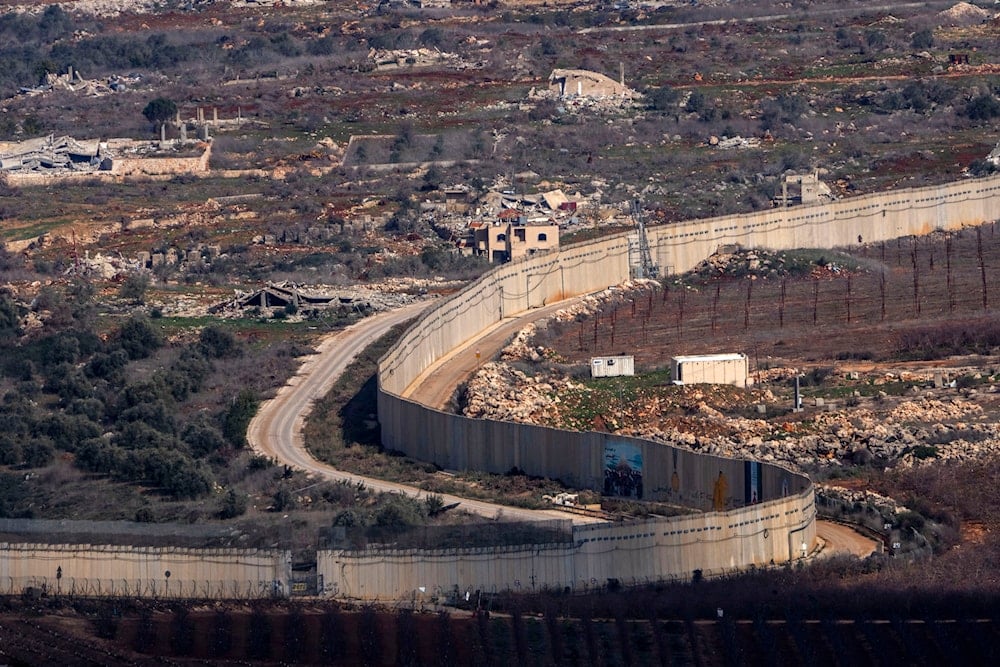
[[731, 369]]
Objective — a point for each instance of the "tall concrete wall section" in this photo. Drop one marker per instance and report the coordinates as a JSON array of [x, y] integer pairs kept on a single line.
[[143, 571], [633, 553], [505, 291], [581, 460], [878, 217], [755, 512]]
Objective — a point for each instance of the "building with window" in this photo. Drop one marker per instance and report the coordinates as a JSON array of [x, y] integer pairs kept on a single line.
[[512, 236]]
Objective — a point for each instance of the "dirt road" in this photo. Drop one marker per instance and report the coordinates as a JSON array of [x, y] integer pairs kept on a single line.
[[841, 539], [435, 386], [769, 18], [276, 430]]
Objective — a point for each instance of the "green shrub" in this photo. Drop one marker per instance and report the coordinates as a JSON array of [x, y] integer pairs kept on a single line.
[[238, 416], [233, 505]]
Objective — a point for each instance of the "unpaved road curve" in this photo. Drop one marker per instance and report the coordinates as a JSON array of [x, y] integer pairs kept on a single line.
[[435, 386], [276, 430], [841, 539]]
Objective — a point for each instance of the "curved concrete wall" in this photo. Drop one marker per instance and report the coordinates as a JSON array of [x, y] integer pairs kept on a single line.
[[456, 442], [632, 553], [669, 474]]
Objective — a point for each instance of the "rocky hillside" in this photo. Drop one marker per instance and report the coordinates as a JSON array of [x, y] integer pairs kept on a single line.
[[890, 416]]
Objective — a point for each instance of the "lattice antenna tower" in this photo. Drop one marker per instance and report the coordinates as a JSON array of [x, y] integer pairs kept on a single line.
[[646, 267]]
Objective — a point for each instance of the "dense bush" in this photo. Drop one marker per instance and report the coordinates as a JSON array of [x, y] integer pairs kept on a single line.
[[984, 107], [116, 423], [238, 416], [233, 505], [216, 343], [138, 338], [944, 340]]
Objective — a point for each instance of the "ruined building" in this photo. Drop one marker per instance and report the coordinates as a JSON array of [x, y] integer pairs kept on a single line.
[[805, 189], [511, 236], [580, 82]]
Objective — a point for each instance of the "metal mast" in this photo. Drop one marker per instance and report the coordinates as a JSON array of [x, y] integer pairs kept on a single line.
[[646, 268]]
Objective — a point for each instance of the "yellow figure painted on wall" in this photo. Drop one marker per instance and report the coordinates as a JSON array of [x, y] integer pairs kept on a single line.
[[720, 493]]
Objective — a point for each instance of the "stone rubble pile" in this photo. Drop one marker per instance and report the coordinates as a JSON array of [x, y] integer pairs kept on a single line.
[[499, 391], [520, 347], [102, 8], [962, 14], [936, 425], [779, 374], [593, 303], [886, 505]]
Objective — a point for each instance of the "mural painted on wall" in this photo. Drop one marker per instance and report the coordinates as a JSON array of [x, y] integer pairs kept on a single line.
[[754, 486], [622, 470], [720, 493]]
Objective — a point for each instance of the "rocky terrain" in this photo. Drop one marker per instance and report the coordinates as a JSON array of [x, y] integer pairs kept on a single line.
[[924, 425]]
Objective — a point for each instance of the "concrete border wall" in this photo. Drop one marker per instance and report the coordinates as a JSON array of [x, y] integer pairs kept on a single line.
[[878, 217], [456, 442], [669, 474], [90, 570], [633, 553]]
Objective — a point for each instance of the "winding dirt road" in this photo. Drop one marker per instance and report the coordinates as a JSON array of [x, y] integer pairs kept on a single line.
[[276, 430], [840, 539]]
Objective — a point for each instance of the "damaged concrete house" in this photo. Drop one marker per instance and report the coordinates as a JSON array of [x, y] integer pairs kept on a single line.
[[803, 189], [35, 161], [509, 226], [512, 236], [50, 152], [295, 298]]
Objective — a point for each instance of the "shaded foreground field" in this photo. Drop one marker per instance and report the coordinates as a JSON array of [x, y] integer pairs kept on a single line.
[[116, 633]]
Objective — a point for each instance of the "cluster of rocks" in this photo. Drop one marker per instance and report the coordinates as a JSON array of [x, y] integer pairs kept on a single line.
[[884, 504], [856, 437], [964, 14], [422, 57], [521, 348], [736, 261], [500, 391], [729, 143], [932, 424], [576, 104], [594, 303], [103, 8]]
